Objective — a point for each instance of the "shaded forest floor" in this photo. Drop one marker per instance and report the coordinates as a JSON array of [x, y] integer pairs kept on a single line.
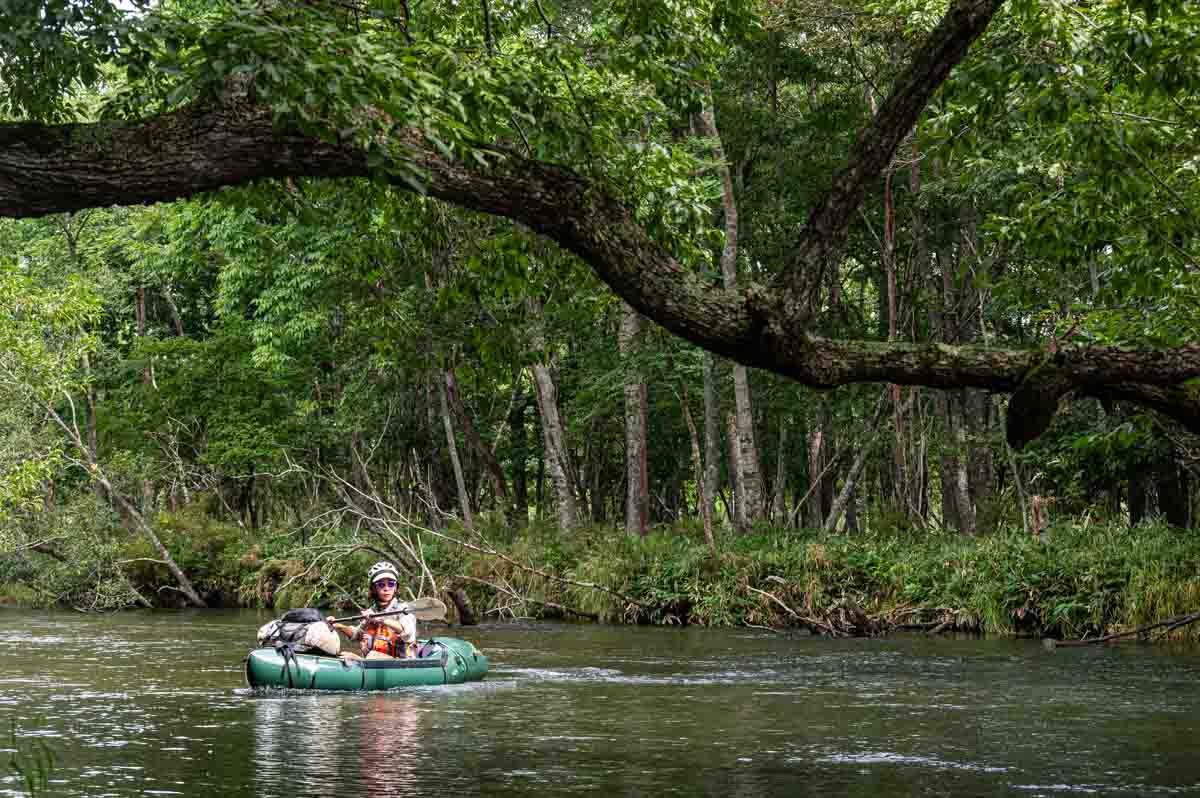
[[1080, 580]]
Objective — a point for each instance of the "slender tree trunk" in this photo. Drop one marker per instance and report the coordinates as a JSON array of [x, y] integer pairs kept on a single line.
[[1173, 497], [520, 453], [434, 484], [962, 482], [702, 488], [712, 431], [557, 459], [852, 512], [1137, 498], [637, 488], [358, 469], [749, 477], [814, 509], [981, 465], [558, 454], [148, 379], [737, 518], [92, 452], [1020, 487], [899, 466], [779, 501], [134, 522], [841, 501], [976, 406], [176, 319], [464, 500], [486, 457]]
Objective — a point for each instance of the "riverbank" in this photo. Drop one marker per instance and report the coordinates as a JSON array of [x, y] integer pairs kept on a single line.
[[1079, 580]]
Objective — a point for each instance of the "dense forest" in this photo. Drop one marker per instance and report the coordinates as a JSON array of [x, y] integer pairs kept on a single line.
[[848, 316]]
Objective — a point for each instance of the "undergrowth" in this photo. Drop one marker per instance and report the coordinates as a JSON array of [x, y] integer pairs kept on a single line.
[[1079, 580]]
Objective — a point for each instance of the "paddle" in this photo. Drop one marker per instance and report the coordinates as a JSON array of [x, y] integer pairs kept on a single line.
[[423, 609]]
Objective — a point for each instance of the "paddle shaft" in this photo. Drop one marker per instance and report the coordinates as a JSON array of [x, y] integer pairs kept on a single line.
[[421, 609], [373, 615]]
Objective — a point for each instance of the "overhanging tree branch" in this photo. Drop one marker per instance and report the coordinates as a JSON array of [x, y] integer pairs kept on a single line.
[[57, 168]]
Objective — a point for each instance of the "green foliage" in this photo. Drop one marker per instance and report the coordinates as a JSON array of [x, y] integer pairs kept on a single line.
[[1081, 581]]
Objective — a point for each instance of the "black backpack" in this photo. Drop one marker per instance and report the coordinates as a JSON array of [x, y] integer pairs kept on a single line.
[[304, 615]]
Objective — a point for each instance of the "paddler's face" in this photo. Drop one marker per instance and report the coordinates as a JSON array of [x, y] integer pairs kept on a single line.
[[385, 589]]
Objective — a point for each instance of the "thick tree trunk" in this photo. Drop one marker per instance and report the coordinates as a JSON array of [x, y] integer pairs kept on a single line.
[[637, 488], [464, 500]]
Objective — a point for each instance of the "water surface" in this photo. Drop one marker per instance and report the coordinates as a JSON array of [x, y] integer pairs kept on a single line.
[[154, 703]]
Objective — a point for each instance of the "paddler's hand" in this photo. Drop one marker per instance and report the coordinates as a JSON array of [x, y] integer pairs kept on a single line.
[[367, 615], [329, 619]]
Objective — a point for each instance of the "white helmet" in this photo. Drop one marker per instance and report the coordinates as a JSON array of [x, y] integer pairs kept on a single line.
[[380, 570]]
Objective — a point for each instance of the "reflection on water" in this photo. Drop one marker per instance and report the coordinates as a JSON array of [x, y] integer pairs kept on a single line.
[[153, 704], [318, 741]]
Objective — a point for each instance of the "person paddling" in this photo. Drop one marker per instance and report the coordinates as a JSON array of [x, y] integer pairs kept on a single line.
[[382, 638]]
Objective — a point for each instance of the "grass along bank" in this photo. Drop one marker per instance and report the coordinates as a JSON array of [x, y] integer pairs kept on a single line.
[[1080, 580]]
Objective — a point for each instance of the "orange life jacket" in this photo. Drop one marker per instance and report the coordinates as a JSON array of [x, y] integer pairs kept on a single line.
[[383, 638]]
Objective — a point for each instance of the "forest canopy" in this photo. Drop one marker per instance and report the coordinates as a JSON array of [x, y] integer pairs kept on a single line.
[[557, 123]]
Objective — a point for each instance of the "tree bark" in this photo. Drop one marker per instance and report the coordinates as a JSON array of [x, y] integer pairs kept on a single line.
[[520, 454], [749, 478], [962, 482], [704, 499], [133, 521], [558, 456], [464, 500], [56, 168], [1173, 498], [637, 487], [737, 517], [779, 501], [488, 458], [712, 432], [1137, 498], [814, 509]]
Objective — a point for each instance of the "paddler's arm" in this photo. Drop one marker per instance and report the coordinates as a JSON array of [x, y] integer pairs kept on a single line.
[[349, 631], [392, 624]]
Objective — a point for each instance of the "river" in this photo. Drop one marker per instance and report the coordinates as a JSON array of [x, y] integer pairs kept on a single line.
[[154, 704]]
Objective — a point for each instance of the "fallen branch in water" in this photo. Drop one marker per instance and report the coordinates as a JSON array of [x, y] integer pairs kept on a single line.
[[1170, 623], [809, 622]]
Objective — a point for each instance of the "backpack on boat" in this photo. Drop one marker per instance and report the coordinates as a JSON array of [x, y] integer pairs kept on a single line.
[[301, 630]]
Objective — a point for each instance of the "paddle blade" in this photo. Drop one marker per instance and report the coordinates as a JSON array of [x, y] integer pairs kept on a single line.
[[427, 609]]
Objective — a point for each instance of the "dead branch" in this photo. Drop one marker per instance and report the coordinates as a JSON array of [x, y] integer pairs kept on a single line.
[[1170, 624], [554, 605]]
